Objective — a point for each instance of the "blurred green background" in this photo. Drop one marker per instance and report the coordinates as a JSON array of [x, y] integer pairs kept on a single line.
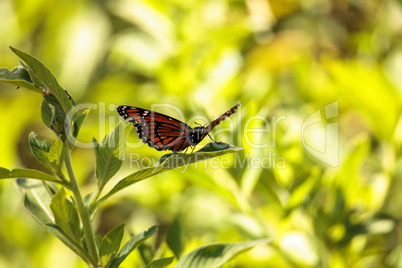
[[284, 60]]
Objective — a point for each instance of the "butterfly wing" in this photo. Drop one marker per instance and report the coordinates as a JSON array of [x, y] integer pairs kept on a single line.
[[159, 131], [221, 118]]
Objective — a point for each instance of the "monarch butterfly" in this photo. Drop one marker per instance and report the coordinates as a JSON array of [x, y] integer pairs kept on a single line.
[[163, 132]]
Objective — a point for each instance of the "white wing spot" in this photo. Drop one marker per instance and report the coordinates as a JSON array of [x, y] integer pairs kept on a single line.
[[170, 118]]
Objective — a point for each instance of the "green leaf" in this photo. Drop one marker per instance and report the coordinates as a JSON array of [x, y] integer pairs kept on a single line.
[[131, 245], [47, 113], [216, 255], [79, 121], [110, 244], [40, 149], [51, 156], [171, 161], [106, 165], [160, 263], [19, 77], [108, 157], [36, 201], [66, 215], [52, 100], [56, 155], [174, 237], [41, 73], [28, 174], [96, 147], [59, 115]]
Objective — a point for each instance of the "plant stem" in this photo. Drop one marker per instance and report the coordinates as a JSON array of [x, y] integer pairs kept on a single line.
[[82, 210], [92, 206]]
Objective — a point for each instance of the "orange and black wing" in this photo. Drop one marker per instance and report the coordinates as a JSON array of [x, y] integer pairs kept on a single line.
[[159, 131], [222, 117]]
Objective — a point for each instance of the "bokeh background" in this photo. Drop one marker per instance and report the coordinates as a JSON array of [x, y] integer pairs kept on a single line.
[[284, 59]]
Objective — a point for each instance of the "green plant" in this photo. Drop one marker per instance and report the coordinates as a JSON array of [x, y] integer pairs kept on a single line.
[[55, 200]]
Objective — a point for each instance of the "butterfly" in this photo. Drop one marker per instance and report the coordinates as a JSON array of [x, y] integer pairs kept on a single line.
[[163, 132]]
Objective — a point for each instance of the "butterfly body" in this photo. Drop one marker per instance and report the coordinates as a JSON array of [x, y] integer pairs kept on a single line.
[[197, 134], [163, 132]]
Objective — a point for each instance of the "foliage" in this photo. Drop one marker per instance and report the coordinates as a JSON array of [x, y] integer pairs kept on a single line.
[[68, 217], [285, 61]]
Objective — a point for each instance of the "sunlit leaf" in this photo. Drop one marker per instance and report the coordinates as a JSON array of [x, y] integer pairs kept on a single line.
[[29, 174], [216, 255], [79, 121], [56, 155], [110, 244], [171, 161], [131, 245], [66, 215], [37, 201]]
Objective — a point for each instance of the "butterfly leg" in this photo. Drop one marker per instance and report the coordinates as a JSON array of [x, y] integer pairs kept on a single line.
[[211, 138], [193, 149], [186, 150]]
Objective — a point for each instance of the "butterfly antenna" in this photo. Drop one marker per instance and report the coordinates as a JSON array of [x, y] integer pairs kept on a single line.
[[197, 124]]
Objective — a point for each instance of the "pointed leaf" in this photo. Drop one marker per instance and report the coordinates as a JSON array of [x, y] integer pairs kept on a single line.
[[216, 255], [79, 121], [43, 74], [29, 174], [36, 201], [108, 157], [131, 245], [174, 237], [96, 147], [160, 263], [66, 215], [171, 161], [56, 155], [106, 165], [110, 244], [19, 77]]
